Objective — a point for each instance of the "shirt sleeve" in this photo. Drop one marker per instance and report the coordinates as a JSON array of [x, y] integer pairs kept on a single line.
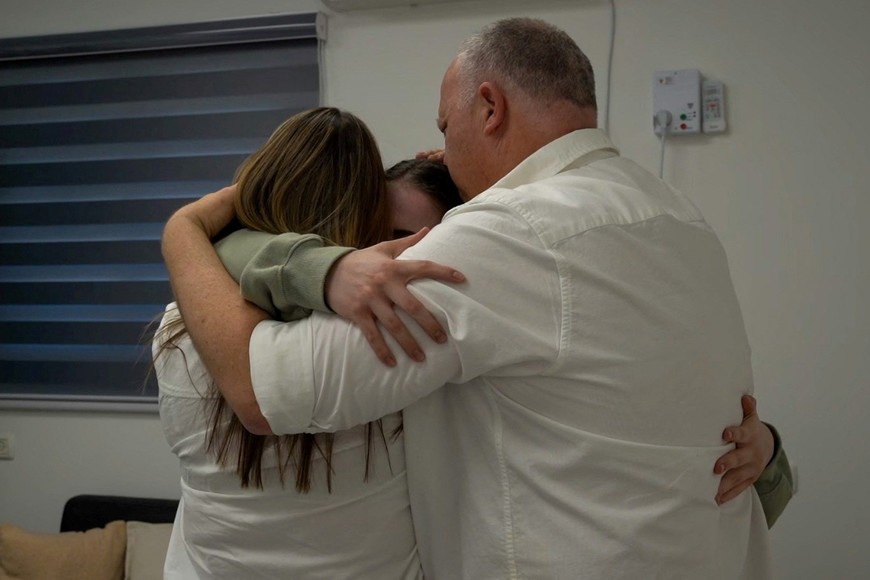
[[319, 374], [238, 248], [282, 274], [775, 487]]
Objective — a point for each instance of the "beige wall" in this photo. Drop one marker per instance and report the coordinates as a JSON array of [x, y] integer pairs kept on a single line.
[[786, 188]]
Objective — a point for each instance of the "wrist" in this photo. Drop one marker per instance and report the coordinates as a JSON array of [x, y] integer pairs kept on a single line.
[[329, 281]]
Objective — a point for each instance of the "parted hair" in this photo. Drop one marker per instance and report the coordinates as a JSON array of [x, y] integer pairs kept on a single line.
[[531, 55], [320, 172], [430, 177]]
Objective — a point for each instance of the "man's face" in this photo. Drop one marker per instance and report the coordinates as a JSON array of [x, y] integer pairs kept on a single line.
[[455, 121]]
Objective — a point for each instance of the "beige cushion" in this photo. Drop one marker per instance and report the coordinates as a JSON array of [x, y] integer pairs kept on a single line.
[[97, 554], [146, 550]]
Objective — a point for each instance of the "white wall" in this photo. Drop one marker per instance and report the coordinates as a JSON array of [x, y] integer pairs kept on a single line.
[[786, 188]]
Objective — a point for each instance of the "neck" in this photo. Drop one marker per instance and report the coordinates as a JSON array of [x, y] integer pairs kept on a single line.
[[539, 125], [531, 129]]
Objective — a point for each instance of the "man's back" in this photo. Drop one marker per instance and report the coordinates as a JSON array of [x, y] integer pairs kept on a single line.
[[601, 350]]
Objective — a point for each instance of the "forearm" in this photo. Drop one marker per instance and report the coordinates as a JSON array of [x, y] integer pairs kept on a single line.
[[286, 275], [318, 374], [219, 320]]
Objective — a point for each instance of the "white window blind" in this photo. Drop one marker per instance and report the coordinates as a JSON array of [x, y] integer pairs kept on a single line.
[[102, 136]]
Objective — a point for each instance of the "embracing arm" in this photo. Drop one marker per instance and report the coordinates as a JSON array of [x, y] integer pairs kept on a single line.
[[220, 321], [319, 374], [291, 274]]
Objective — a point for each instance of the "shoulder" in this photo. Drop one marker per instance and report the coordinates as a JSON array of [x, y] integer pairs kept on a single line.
[[612, 191]]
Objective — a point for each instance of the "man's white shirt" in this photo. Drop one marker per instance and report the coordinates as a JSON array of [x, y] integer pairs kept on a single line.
[[569, 427]]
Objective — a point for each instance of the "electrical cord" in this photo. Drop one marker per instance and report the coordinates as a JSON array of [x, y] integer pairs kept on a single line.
[[662, 123], [610, 64], [664, 138]]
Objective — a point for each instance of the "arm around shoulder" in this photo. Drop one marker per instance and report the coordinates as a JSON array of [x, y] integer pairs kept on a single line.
[[219, 320]]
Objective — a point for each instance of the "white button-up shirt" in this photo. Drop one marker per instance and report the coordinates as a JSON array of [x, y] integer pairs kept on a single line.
[[569, 427], [361, 529]]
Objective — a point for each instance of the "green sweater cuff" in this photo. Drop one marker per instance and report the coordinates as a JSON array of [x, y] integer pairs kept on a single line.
[[284, 274], [239, 248], [775, 487]]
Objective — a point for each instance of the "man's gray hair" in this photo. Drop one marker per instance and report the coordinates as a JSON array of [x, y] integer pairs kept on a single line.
[[530, 55]]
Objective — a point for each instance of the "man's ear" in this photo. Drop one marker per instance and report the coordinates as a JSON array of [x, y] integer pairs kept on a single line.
[[494, 106]]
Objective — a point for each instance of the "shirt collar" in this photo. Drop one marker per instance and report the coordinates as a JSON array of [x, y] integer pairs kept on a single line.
[[554, 157]]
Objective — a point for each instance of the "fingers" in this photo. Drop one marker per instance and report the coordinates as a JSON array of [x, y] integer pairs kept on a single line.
[[742, 466], [747, 430], [400, 295], [385, 314], [421, 316], [729, 488], [737, 435], [732, 460], [391, 322], [413, 269], [745, 454], [431, 154], [396, 247], [740, 471], [367, 286], [417, 269], [376, 341]]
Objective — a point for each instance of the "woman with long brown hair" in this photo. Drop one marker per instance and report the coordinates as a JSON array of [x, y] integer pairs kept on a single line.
[[309, 505]]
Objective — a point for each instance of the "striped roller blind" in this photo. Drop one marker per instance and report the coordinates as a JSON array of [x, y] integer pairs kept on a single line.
[[102, 136]]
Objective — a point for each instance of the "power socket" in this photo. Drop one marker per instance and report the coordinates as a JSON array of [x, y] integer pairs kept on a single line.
[[679, 93], [6, 446]]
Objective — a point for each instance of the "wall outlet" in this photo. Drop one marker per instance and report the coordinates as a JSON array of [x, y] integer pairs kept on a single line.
[[679, 93], [7, 446]]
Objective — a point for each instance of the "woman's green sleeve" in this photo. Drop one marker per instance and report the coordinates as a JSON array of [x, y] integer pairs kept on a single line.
[[282, 274], [775, 487]]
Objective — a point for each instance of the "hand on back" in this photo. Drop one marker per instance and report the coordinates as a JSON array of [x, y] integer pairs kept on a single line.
[[366, 286], [754, 446]]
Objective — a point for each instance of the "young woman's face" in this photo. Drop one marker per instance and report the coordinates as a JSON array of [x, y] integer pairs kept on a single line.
[[412, 209]]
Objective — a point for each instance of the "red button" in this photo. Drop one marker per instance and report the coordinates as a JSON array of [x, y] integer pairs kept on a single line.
[[683, 126]]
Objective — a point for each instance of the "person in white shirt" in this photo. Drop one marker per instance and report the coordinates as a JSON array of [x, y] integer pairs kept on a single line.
[[567, 427], [257, 506]]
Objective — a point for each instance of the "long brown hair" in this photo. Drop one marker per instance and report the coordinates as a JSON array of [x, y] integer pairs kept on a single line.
[[320, 172]]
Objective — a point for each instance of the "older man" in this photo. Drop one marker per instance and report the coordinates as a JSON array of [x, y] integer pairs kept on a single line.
[[567, 427]]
